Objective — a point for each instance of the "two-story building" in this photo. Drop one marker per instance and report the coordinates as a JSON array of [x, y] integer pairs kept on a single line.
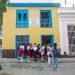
[[31, 21]]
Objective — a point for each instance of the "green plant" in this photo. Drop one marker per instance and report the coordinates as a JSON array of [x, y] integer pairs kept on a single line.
[[0, 67], [2, 9]]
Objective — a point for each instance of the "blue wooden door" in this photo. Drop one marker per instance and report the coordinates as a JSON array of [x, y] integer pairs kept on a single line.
[[45, 39], [21, 39]]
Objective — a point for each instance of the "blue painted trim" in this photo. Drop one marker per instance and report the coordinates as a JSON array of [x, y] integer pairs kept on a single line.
[[50, 18], [52, 38], [22, 23], [18, 42], [33, 4]]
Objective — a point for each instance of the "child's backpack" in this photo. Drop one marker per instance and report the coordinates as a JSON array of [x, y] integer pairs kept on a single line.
[[55, 52]]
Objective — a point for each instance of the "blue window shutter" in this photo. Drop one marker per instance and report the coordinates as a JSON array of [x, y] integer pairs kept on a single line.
[[46, 20], [21, 18], [50, 20], [52, 40]]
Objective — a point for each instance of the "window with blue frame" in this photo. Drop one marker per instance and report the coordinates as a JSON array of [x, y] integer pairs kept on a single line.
[[21, 18], [46, 18], [22, 39]]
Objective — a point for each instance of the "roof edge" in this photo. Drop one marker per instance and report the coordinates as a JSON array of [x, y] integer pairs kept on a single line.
[[33, 4]]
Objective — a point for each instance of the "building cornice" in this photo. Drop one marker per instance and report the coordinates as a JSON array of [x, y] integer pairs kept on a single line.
[[33, 4]]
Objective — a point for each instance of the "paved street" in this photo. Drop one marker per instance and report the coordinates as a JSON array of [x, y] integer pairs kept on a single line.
[[67, 67]]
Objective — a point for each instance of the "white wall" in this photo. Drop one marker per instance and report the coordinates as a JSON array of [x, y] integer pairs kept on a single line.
[[66, 17]]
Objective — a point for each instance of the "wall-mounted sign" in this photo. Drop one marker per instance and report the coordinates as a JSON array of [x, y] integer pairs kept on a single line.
[[34, 21]]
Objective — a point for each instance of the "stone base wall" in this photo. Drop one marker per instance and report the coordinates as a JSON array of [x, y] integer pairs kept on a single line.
[[8, 53]]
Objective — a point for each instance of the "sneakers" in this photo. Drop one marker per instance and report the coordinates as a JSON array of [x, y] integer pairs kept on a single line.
[[21, 60], [53, 69], [28, 60], [49, 65], [56, 69]]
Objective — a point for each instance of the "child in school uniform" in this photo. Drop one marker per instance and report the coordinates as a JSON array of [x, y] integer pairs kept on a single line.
[[28, 53], [49, 54], [20, 52], [31, 52], [35, 48], [42, 52]]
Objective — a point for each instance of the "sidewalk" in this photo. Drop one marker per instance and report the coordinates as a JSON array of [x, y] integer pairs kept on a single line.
[[13, 60], [13, 67]]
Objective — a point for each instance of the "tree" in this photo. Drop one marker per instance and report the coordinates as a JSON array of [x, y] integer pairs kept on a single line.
[[2, 9]]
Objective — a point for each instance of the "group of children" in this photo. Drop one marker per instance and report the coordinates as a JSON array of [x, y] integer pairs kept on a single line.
[[44, 53]]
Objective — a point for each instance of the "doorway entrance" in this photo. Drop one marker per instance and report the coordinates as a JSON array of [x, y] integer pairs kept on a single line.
[[45, 39], [21, 39]]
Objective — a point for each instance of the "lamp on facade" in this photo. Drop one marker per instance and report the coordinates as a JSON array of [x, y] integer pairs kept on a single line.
[[73, 5], [65, 2]]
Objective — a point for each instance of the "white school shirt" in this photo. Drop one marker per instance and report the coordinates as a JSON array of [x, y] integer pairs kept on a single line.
[[31, 48], [35, 48], [28, 47], [48, 53], [50, 50], [42, 50], [43, 47], [42, 53], [22, 47]]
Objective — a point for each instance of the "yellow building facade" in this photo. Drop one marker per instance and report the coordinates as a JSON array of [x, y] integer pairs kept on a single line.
[[37, 29]]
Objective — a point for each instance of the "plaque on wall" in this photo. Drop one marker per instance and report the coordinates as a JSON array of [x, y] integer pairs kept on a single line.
[[34, 21]]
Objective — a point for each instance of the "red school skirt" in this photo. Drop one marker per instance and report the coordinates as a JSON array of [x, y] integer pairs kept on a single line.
[[31, 53], [20, 52], [28, 52]]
